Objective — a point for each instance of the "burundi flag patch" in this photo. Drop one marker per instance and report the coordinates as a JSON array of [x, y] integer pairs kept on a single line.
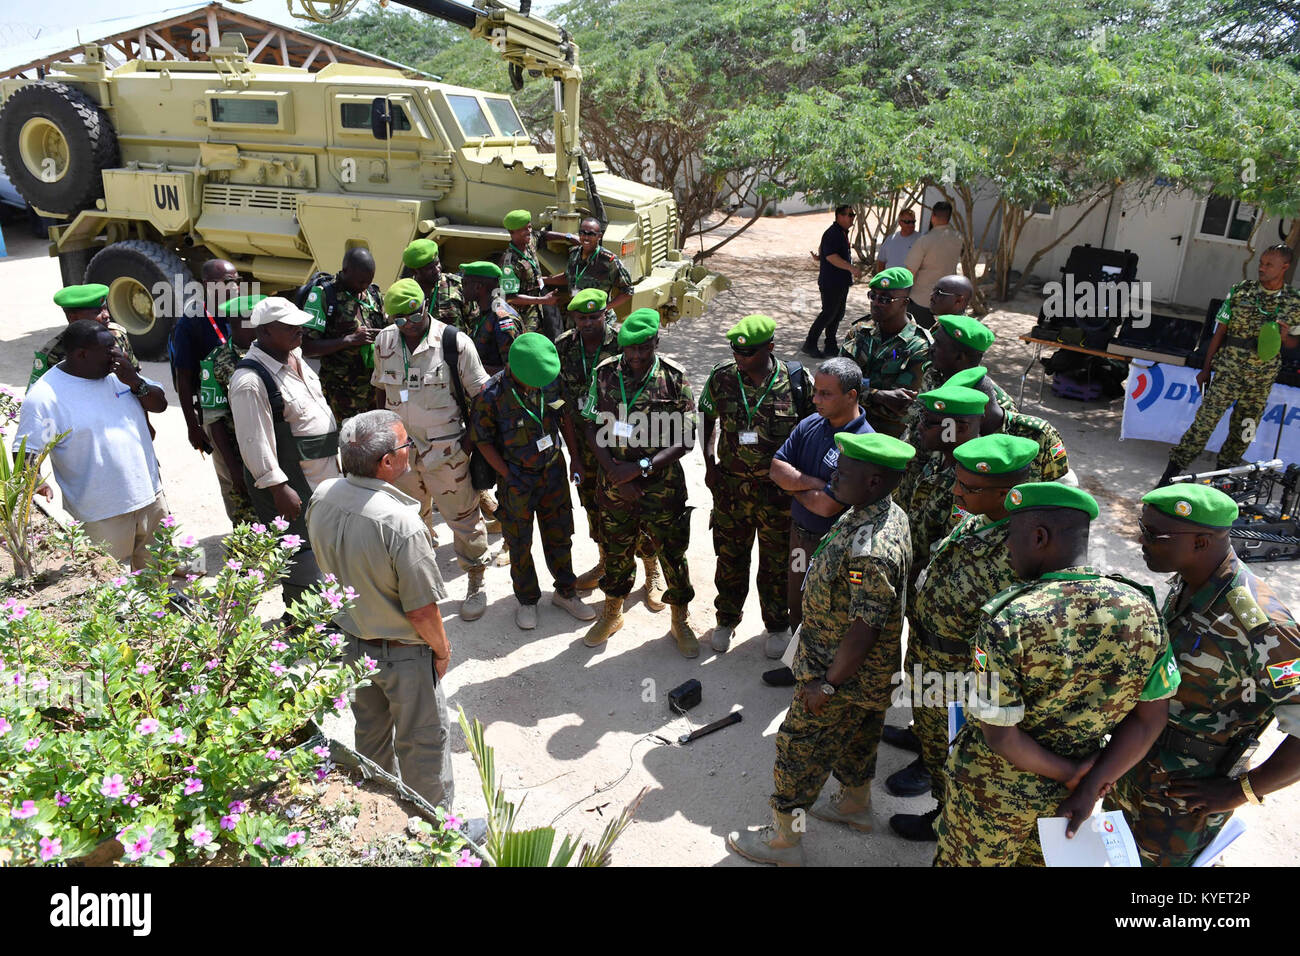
[[1058, 450], [981, 660], [1285, 674]]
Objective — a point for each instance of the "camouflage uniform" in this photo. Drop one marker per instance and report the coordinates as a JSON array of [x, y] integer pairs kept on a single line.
[[603, 270], [933, 379], [894, 362], [746, 502], [1240, 375], [514, 421], [925, 494], [968, 568], [1238, 650], [213, 398], [859, 571], [1051, 462], [447, 301], [662, 513], [523, 276], [576, 371], [493, 330], [53, 352], [1064, 658], [345, 375]]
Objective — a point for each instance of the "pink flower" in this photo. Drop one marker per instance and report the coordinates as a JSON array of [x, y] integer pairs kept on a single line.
[[290, 541], [229, 820], [452, 822], [31, 744], [201, 837], [160, 615], [28, 809], [177, 737], [186, 666], [237, 807], [144, 669], [278, 646], [369, 664], [277, 668], [191, 578], [331, 579], [340, 703], [62, 799], [212, 664], [322, 752], [5, 727], [112, 786], [468, 859], [141, 847], [322, 772], [18, 679], [188, 541], [192, 785], [295, 837], [18, 613], [40, 682], [335, 639], [132, 799], [256, 575], [50, 848], [259, 528], [234, 565], [169, 522], [280, 524], [147, 726], [273, 754]]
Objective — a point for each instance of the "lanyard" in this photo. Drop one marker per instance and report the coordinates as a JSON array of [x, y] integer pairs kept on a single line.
[[541, 407], [577, 276], [825, 541], [406, 362], [586, 371], [213, 322], [1068, 576], [627, 407], [749, 415], [527, 258]]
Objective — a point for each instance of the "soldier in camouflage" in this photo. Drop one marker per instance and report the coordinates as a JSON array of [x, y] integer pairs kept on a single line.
[[959, 343], [515, 422], [347, 313], [592, 338], [753, 399], [490, 323], [967, 568], [80, 302], [1252, 327], [442, 291], [640, 420], [849, 643], [1238, 649], [1060, 662], [1052, 463], [891, 349], [592, 266], [522, 280]]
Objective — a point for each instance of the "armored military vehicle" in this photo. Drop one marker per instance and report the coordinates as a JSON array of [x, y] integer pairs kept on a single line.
[[154, 167]]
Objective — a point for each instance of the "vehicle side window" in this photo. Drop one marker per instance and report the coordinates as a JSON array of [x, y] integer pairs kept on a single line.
[[357, 116], [245, 111], [503, 111], [470, 115]]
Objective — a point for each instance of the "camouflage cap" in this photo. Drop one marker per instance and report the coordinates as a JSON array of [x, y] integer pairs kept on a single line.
[[877, 448], [954, 400], [420, 253], [1195, 504], [968, 377], [641, 325], [239, 308], [1050, 494], [517, 219], [81, 296], [588, 301], [403, 297], [996, 454], [970, 332], [751, 330], [481, 270], [895, 277], [533, 360]]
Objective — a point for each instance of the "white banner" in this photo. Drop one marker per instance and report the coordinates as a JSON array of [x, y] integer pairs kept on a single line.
[[1160, 402]]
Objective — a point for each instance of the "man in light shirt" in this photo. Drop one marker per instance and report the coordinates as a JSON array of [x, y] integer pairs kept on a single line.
[[934, 256], [893, 251]]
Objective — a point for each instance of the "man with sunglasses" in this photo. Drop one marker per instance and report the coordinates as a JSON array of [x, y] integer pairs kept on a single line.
[[968, 567], [592, 266], [1237, 647], [960, 342], [835, 274], [754, 399], [1052, 463], [347, 313], [893, 251], [891, 350]]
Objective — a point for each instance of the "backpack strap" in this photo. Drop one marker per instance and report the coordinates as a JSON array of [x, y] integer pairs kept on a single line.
[[799, 387], [451, 355], [273, 395]]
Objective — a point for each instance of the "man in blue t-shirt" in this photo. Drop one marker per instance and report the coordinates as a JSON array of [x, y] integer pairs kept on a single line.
[[834, 277], [803, 467]]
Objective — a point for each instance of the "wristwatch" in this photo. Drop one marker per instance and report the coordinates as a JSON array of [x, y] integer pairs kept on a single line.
[[646, 465], [827, 688], [141, 390]]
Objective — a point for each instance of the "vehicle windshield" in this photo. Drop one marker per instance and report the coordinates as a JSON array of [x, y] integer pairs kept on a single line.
[[473, 121], [507, 120]]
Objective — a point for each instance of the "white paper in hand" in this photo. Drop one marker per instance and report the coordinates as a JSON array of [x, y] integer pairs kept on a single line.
[[1104, 839], [788, 657], [1210, 855]]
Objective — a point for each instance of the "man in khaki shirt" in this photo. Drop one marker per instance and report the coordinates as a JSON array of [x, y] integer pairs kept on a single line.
[[932, 257], [370, 536], [286, 456], [414, 380]]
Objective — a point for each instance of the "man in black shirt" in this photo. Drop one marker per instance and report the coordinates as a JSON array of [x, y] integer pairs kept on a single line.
[[833, 280]]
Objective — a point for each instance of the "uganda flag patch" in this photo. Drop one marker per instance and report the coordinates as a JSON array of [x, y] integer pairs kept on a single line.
[[855, 577], [1285, 674], [1058, 450], [981, 660]]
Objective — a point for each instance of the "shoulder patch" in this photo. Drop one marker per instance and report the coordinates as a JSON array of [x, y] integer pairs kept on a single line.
[[862, 540], [1003, 598], [1246, 609], [1285, 674]]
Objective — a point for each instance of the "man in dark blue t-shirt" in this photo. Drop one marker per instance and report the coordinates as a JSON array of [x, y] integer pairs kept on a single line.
[[834, 277], [803, 467]]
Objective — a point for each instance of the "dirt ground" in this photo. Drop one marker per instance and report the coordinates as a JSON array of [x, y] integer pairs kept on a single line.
[[576, 731]]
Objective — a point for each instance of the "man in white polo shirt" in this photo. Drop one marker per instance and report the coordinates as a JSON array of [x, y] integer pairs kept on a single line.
[[104, 462]]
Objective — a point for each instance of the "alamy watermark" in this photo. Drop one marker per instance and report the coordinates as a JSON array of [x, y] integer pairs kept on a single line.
[[1098, 300]]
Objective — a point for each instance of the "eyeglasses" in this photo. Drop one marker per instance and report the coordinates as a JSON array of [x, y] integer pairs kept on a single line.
[[746, 350], [908, 222], [1150, 537], [588, 232], [407, 444], [884, 298], [975, 491]]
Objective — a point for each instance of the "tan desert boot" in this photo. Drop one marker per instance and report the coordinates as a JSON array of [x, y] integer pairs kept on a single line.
[[850, 806], [475, 603], [654, 584], [611, 619], [777, 843], [686, 640]]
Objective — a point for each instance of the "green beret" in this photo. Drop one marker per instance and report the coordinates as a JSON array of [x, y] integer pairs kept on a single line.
[[240, 308], [996, 454], [517, 219], [533, 360], [968, 377], [954, 400], [641, 325], [1050, 494], [481, 270], [879, 449], [752, 330], [403, 298], [895, 277], [969, 331], [1195, 504], [588, 301], [81, 296], [420, 253]]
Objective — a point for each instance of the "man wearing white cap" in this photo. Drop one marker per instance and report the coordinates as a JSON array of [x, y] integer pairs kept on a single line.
[[288, 438]]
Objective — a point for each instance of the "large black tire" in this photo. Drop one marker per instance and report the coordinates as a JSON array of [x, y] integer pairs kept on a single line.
[[31, 124], [134, 272]]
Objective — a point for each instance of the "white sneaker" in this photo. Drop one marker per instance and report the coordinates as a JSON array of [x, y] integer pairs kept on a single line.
[[720, 639], [775, 643], [574, 606], [526, 616]]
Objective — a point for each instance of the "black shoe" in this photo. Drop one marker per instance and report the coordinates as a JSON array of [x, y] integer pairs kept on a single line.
[[912, 781], [915, 826], [780, 677], [904, 738], [810, 348], [1170, 470], [832, 349]]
